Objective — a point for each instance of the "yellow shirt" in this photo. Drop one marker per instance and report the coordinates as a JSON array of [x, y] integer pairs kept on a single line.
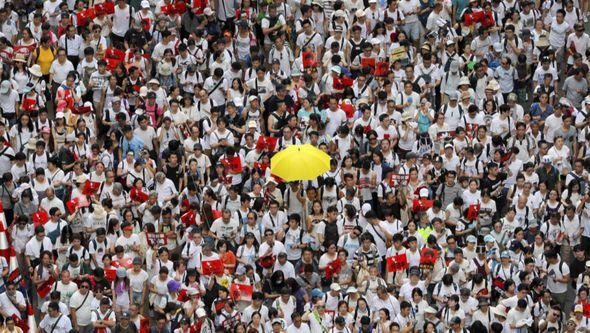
[[44, 59]]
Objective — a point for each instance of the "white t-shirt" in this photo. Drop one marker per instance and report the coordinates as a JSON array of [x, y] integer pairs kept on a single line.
[[555, 272], [98, 315], [137, 281], [83, 314], [557, 34]]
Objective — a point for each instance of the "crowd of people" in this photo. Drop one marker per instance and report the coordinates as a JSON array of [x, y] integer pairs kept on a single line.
[[139, 196]]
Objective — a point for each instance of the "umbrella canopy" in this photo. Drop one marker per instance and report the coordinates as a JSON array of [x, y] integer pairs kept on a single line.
[[299, 162]]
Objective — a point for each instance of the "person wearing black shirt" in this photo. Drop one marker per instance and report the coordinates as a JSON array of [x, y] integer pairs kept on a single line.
[[493, 181], [125, 325], [272, 103], [173, 170], [137, 36], [236, 123], [578, 264]]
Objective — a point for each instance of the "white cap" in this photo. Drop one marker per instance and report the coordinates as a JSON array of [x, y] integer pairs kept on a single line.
[[208, 11], [60, 115], [5, 87], [335, 287], [375, 41], [365, 208], [201, 313], [145, 4]]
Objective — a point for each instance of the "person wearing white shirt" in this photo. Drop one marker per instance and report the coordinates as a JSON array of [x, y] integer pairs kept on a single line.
[[282, 264], [59, 69], [36, 245], [103, 317], [165, 188], [297, 326], [12, 302], [81, 306], [121, 22], [274, 219], [55, 322], [71, 42], [518, 318], [558, 277]]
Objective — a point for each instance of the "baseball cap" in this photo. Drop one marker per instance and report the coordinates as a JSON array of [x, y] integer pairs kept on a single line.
[[5, 87]]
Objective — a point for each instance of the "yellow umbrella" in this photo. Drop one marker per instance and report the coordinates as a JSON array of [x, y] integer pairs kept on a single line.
[[299, 162]]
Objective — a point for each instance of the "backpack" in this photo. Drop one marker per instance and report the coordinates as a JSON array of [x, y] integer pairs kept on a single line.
[[331, 233], [560, 266], [439, 285]]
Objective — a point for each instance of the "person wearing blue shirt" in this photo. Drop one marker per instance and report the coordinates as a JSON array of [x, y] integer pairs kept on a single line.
[[130, 142]]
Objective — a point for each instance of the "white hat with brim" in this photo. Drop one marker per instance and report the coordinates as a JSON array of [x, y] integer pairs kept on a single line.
[[35, 70], [98, 212], [5, 87], [464, 80], [270, 181], [543, 41], [32, 144], [430, 310], [81, 179], [154, 81], [201, 313]]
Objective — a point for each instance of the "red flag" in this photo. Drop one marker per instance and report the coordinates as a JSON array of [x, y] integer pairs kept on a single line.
[[428, 257], [189, 218], [241, 292], [234, 164], [333, 268], [182, 296], [137, 195], [81, 110], [179, 7], [368, 62], [212, 267], [77, 202], [348, 109], [421, 205], [110, 274], [488, 19], [397, 263], [473, 211], [84, 17], [113, 53], [309, 59], [72, 204], [396, 179], [45, 288], [144, 325], [29, 104], [201, 5], [382, 68], [39, 218], [106, 8], [20, 323], [123, 262], [156, 238], [262, 166], [266, 142], [112, 63], [267, 261], [90, 187]]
